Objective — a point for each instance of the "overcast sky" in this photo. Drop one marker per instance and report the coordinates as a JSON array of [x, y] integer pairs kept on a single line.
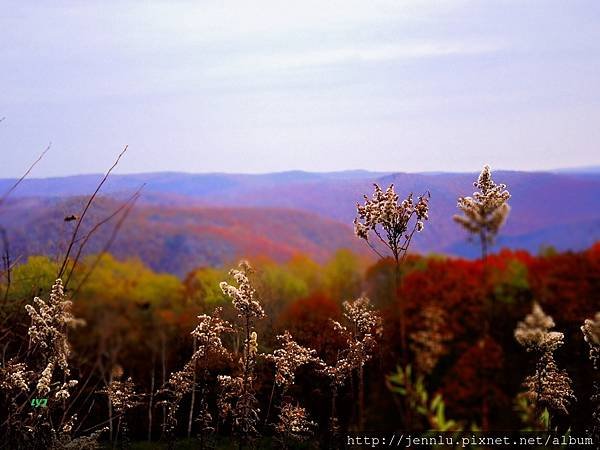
[[260, 86]]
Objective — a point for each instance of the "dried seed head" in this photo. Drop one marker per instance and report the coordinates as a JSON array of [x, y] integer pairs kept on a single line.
[[15, 377], [288, 358], [122, 395], [48, 330], [243, 296], [533, 332], [591, 334], [294, 423], [390, 220], [364, 327], [486, 211], [549, 386], [208, 335]]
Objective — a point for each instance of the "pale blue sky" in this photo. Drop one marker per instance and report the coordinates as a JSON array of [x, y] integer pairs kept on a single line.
[[315, 85]]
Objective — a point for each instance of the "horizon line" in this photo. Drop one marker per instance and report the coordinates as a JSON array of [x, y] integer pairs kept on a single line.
[[592, 169]]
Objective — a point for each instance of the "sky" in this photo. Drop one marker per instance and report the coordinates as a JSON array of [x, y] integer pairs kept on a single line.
[[263, 86]]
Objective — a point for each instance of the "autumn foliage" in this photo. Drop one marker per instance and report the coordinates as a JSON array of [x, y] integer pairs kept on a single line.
[[140, 321]]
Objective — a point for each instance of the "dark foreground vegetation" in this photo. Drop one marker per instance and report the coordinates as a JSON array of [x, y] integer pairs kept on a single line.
[[138, 324]]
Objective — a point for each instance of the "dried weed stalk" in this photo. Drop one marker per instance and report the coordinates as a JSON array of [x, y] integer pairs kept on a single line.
[[237, 396], [591, 334], [122, 397], [49, 351], [363, 328], [288, 358], [549, 387], [293, 424], [48, 332], [486, 211], [208, 334], [393, 223]]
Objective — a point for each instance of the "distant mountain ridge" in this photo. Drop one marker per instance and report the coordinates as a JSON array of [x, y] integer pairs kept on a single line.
[[548, 208], [175, 238]]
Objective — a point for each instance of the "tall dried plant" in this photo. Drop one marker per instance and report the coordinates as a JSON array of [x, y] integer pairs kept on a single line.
[[385, 221], [44, 375], [361, 332], [485, 212], [122, 397], [237, 397], [207, 335], [549, 387], [48, 332], [591, 334], [293, 424]]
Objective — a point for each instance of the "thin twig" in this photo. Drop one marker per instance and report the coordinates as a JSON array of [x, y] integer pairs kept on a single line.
[[6, 262], [102, 423], [20, 180], [116, 230], [84, 212], [95, 228], [372, 247]]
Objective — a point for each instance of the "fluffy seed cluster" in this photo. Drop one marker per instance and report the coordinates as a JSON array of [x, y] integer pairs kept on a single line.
[[288, 358], [390, 220], [15, 377], [362, 317], [364, 327], [243, 296], [294, 423], [429, 344], [534, 333], [591, 334], [62, 393], [486, 211], [550, 387], [122, 395], [48, 330], [208, 335], [230, 388]]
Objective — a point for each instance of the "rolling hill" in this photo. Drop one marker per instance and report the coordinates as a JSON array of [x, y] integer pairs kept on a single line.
[[183, 220], [174, 239]]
